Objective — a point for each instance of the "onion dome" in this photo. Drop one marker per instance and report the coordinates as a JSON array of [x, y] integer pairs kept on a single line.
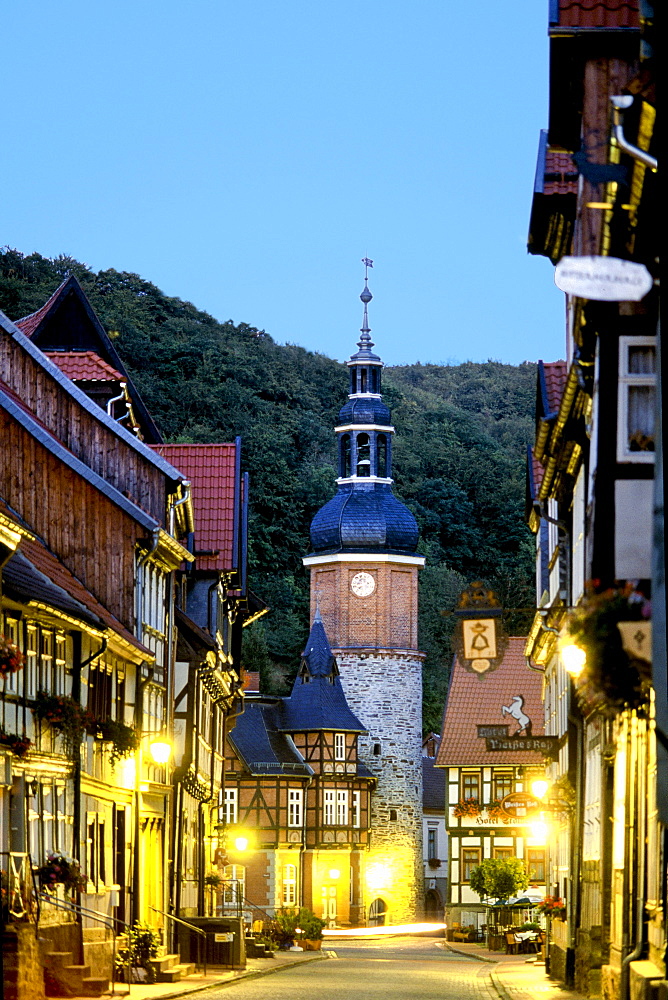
[[364, 516]]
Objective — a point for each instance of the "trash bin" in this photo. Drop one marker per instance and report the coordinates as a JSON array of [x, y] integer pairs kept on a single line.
[[225, 941]]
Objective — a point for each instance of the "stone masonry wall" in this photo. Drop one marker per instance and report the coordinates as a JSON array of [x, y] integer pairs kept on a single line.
[[384, 689]]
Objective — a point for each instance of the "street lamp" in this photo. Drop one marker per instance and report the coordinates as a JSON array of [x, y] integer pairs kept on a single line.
[[573, 657], [160, 749], [539, 788]]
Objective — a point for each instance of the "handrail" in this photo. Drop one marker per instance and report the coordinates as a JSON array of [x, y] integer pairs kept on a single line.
[[198, 930], [108, 922], [268, 915]]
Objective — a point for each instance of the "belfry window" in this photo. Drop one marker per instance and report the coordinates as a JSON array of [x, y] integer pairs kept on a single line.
[[381, 456], [363, 380], [363, 455], [344, 456]]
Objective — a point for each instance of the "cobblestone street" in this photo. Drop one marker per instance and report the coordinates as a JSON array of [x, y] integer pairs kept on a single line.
[[402, 969]]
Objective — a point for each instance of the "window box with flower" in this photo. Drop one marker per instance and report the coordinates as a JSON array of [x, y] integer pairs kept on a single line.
[[11, 658], [19, 745], [467, 807], [60, 869]]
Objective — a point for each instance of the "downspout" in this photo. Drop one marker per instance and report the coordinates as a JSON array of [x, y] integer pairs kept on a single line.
[[640, 804], [620, 103], [116, 399]]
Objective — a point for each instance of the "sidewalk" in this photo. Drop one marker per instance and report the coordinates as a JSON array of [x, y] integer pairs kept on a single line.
[[516, 977], [217, 976]]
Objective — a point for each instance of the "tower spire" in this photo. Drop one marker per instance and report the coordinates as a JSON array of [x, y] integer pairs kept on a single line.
[[365, 341]]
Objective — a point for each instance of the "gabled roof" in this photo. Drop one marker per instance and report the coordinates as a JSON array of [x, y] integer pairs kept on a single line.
[[214, 472], [478, 699], [35, 574], [551, 381], [554, 203], [22, 415], [68, 321], [260, 746], [84, 366], [84, 401], [317, 701]]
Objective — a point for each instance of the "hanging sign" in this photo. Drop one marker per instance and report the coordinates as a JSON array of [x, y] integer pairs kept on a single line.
[[603, 279], [479, 638], [547, 745], [520, 804]]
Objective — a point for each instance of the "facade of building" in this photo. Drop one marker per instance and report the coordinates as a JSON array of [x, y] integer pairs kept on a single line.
[[489, 809], [364, 571], [597, 514], [434, 835]]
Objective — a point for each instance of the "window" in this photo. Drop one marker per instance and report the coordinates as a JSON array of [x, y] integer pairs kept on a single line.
[[471, 785], [328, 808], [381, 456], [502, 784], [470, 858], [234, 888], [295, 810], [228, 812], [342, 808], [344, 456], [11, 630], [289, 885], [432, 844], [536, 865], [99, 690], [357, 810], [636, 399], [376, 749], [393, 814], [363, 455], [339, 746], [503, 853]]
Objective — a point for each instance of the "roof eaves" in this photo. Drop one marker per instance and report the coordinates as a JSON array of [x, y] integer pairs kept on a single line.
[[96, 411], [54, 446]]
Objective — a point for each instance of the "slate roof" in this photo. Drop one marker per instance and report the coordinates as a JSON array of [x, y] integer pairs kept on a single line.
[[34, 573], [595, 13], [433, 786], [213, 471], [317, 701], [260, 746], [365, 410], [552, 377], [84, 366], [364, 517], [477, 699]]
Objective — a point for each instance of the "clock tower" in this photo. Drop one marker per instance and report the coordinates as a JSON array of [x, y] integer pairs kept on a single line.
[[364, 581]]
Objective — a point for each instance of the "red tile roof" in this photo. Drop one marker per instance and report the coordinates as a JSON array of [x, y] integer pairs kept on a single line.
[[599, 14], [211, 469], [477, 699], [84, 366], [29, 324], [556, 373], [561, 176], [47, 563]]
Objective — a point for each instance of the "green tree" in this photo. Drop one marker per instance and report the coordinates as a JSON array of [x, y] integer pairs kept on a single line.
[[499, 878]]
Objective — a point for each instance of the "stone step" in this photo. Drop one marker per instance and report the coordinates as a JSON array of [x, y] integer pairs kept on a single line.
[[93, 987], [163, 963]]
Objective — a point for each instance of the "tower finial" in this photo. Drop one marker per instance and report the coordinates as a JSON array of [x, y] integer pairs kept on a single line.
[[317, 617], [366, 296]]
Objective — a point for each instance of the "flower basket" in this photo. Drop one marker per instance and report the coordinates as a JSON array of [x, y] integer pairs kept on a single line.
[[11, 657], [214, 881], [434, 863], [19, 745], [552, 906], [467, 807], [611, 680], [65, 716], [59, 869], [124, 739]]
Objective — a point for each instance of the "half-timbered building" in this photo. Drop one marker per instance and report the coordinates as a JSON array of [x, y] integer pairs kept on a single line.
[[297, 797]]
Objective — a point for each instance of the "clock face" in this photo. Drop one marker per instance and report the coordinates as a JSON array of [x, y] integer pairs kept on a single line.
[[362, 584]]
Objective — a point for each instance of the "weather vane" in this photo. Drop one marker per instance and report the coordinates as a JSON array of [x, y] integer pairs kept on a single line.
[[367, 264]]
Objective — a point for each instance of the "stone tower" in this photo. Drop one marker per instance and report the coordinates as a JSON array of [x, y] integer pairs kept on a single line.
[[364, 580]]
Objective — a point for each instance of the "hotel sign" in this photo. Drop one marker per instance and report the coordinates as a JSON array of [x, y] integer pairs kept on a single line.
[[547, 745], [603, 279]]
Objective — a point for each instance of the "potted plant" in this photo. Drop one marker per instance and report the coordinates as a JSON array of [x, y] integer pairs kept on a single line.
[[19, 745], [214, 880], [311, 928], [11, 657], [552, 906], [467, 807], [611, 680], [434, 863], [60, 869], [143, 942]]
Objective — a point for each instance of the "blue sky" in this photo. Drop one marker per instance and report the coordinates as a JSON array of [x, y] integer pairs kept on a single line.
[[245, 156]]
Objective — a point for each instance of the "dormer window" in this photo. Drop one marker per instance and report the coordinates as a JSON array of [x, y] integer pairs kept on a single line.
[[363, 455]]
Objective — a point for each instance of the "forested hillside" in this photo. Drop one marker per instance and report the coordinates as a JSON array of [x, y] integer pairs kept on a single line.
[[459, 451]]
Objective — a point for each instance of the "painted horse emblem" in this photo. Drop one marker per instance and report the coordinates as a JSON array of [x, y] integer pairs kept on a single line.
[[516, 711]]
